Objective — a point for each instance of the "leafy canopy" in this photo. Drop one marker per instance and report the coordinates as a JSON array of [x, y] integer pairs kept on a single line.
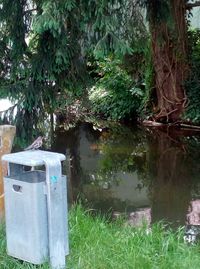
[[44, 44]]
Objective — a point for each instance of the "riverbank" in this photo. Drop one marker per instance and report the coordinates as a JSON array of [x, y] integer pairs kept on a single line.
[[97, 244]]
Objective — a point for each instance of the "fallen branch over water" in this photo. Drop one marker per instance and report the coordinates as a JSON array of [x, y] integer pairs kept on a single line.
[[183, 125], [152, 123], [177, 124]]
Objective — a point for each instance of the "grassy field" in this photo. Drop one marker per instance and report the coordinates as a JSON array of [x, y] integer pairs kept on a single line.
[[97, 244]]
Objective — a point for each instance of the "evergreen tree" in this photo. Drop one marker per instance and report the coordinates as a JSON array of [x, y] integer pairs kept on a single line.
[[44, 42]]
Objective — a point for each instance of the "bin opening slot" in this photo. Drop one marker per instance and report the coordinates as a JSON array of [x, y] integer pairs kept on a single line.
[[17, 188]]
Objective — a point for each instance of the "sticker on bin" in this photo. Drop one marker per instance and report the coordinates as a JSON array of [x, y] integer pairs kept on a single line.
[[54, 179]]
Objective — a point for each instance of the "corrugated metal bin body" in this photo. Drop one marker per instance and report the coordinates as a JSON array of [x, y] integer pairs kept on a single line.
[[26, 216]]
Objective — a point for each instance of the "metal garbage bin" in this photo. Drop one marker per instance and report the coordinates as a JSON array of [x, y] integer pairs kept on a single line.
[[36, 207]]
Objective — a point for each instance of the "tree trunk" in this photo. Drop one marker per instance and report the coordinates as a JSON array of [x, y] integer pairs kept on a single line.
[[169, 48]]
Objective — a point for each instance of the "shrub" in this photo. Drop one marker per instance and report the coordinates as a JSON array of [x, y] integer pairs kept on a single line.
[[115, 95], [192, 84]]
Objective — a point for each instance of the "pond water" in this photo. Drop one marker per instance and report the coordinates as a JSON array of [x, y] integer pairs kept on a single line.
[[128, 170], [135, 172]]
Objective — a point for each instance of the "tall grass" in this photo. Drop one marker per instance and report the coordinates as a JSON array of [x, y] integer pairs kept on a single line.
[[96, 243]]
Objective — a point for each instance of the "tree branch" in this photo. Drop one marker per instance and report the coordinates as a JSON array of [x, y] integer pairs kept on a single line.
[[30, 10], [191, 5]]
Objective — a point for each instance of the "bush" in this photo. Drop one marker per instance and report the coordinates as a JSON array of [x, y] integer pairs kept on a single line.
[[115, 95], [192, 84]]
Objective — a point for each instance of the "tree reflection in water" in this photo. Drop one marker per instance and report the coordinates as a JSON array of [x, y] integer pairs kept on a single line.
[[126, 169], [169, 172]]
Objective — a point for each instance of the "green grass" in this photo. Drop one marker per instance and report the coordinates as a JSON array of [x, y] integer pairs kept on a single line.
[[97, 244]]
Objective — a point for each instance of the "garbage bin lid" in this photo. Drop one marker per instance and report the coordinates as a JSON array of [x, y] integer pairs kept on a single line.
[[32, 157]]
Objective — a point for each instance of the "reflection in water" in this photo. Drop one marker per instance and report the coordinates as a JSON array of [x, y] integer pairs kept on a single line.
[[99, 170], [121, 169], [170, 174]]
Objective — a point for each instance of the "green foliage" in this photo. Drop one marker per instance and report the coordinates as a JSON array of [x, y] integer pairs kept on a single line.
[[150, 96], [192, 84], [115, 95], [43, 44], [120, 26], [56, 40]]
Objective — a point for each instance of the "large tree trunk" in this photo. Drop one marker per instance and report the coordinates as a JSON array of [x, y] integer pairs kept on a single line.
[[169, 48]]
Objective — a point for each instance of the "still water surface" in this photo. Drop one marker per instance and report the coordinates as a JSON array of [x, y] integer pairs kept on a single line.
[[133, 171], [126, 169]]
